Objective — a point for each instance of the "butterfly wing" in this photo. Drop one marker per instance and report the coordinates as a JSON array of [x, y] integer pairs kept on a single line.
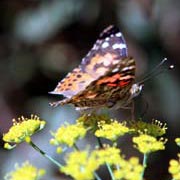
[[73, 83], [106, 52], [110, 88]]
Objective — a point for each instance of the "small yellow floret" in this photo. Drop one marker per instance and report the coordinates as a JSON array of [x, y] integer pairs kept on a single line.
[[177, 140], [174, 169]]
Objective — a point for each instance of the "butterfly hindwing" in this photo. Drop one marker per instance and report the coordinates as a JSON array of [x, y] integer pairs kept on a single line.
[[73, 83]]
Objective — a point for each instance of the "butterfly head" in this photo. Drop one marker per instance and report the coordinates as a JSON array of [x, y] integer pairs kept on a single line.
[[136, 89]]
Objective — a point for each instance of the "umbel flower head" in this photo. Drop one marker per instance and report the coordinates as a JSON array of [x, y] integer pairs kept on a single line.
[[147, 144], [128, 169], [80, 165], [25, 172], [111, 131], [68, 134], [107, 154], [155, 129], [22, 129]]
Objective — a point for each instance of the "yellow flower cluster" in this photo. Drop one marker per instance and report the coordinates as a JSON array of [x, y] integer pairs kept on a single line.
[[108, 155], [25, 172], [111, 131], [155, 129], [129, 169], [22, 129], [174, 168], [80, 165], [68, 134], [147, 144]]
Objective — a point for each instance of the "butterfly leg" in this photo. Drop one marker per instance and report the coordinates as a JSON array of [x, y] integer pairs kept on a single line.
[[58, 103], [132, 110], [145, 109], [131, 107]]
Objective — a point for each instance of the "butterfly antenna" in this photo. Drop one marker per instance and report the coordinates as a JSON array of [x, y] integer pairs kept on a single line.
[[156, 71]]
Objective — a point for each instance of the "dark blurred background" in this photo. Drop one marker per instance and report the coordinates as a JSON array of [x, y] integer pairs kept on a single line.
[[42, 40]]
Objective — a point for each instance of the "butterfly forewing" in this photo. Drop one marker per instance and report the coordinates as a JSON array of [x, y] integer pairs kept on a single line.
[[106, 52]]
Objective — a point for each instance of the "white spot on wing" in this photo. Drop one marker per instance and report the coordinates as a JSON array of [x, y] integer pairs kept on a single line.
[[105, 45], [107, 39], [106, 62], [128, 68], [115, 62], [115, 70], [119, 34], [119, 46]]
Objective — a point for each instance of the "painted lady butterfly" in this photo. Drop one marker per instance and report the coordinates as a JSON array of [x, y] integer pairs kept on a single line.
[[105, 77]]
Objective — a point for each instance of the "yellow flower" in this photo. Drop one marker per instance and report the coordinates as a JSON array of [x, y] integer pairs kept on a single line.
[[68, 134], [22, 130], [111, 131], [147, 144], [91, 120], [80, 165], [177, 140], [25, 172], [156, 128], [128, 169], [174, 168], [108, 155]]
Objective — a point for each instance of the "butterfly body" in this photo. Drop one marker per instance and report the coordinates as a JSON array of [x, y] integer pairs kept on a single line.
[[105, 76]]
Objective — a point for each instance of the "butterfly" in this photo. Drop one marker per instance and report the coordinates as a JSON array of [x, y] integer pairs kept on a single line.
[[104, 78]]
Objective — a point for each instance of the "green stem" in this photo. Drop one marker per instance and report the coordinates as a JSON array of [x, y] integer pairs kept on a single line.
[[144, 165], [76, 147], [110, 171], [99, 142], [96, 176], [107, 165], [45, 155]]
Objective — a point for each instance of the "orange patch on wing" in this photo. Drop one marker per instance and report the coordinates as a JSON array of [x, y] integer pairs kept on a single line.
[[111, 79], [72, 80], [123, 83]]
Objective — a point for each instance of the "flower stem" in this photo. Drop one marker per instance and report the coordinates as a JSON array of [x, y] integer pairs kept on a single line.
[[107, 165], [96, 176], [99, 142], [144, 165], [110, 171], [76, 147], [45, 155]]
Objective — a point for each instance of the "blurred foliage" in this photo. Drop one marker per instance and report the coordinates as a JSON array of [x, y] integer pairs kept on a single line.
[[42, 40]]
